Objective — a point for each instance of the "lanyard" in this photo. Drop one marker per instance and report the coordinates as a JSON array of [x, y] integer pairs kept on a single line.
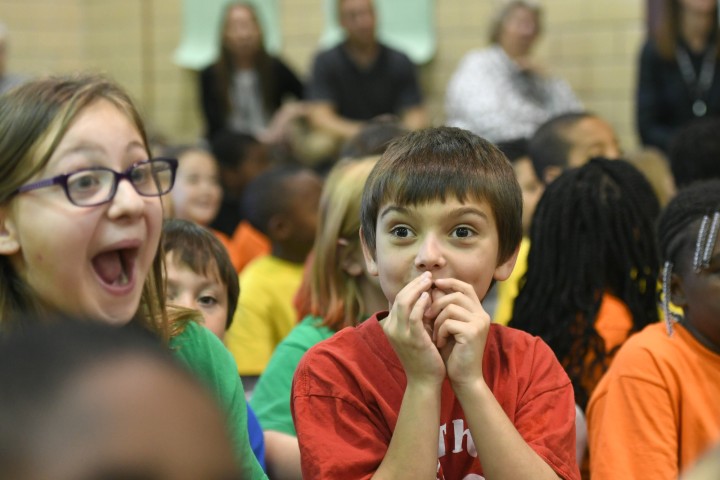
[[698, 85]]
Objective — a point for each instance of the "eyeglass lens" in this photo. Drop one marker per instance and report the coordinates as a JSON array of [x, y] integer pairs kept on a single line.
[[89, 187]]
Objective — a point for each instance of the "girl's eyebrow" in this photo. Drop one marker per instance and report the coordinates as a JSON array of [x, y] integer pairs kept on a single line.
[[95, 148]]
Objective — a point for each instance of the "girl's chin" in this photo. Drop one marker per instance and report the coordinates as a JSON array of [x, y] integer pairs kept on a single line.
[[115, 318]]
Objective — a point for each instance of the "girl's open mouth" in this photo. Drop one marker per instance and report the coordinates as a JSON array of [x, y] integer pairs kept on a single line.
[[116, 268]]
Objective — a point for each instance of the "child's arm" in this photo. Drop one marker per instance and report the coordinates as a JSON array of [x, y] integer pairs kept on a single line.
[[461, 330], [412, 452], [282, 455]]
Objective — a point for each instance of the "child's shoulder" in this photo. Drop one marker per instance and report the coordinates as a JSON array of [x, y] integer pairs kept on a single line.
[[502, 338], [362, 338], [199, 348], [515, 355], [362, 348]]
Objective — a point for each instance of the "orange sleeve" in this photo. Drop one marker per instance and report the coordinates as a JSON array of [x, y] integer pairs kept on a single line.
[[248, 243], [631, 422], [229, 247]]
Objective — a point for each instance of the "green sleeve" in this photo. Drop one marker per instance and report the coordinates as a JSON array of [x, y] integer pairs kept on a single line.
[[208, 358], [271, 397]]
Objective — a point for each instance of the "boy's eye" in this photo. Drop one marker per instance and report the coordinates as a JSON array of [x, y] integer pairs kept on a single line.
[[401, 232], [462, 232], [207, 301]]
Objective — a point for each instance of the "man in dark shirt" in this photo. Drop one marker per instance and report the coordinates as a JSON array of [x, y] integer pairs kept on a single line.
[[361, 78]]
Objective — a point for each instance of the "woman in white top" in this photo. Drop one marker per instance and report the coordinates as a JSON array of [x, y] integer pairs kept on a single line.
[[499, 92]]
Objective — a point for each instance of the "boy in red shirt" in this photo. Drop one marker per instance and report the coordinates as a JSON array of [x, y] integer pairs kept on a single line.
[[433, 389]]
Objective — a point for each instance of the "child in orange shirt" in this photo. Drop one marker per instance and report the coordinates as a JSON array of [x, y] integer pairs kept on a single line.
[[656, 410]]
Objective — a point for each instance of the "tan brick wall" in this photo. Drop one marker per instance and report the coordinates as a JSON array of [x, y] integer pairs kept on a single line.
[[593, 44]]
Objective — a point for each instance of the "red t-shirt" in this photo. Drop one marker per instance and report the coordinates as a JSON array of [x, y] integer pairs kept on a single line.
[[348, 389]]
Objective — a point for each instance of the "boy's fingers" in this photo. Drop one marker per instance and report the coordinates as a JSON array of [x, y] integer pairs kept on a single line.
[[454, 298], [411, 292], [455, 285], [416, 314], [450, 328], [452, 312]]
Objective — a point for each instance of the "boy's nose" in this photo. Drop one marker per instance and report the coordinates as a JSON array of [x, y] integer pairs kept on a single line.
[[430, 256]]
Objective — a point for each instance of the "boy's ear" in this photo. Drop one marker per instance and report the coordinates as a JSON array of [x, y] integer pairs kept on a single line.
[[9, 244], [677, 291], [370, 263], [349, 258], [279, 227], [503, 271]]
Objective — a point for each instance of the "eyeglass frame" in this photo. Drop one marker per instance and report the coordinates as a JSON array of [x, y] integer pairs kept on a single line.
[[62, 180]]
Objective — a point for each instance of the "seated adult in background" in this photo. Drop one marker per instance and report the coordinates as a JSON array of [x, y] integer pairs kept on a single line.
[[695, 152], [678, 78], [361, 78], [499, 92], [570, 140], [243, 91]]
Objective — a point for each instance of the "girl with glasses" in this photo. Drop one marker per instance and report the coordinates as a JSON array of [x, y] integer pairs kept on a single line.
[[80, 226]]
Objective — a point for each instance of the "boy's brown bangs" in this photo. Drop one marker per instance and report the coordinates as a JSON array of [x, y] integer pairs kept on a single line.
[[418, 187], [196, 257]]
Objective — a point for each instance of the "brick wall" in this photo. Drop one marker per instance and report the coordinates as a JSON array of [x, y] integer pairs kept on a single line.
[[593, 44]]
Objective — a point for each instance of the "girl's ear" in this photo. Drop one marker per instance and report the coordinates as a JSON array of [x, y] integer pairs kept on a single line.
[[370, 263], [350, 258], [677, 291], [9, 244], [503, 271]]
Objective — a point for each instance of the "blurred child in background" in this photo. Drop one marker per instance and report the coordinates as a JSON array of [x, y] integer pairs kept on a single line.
[[342, 293], [197, 194], [85, 400], [282, 204], [199, 276], [656, 410]]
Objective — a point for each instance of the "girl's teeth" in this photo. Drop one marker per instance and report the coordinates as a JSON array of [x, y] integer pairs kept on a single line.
[[123, 279]]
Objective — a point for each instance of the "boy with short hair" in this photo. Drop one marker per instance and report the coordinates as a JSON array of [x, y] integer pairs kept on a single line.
[[432, 389], [199, 275], [281, 203]]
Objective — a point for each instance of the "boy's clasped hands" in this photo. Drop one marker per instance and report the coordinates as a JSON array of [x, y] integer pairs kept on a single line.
[[438, 327]]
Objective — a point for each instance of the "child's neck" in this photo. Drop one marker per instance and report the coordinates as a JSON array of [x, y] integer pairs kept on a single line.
[[373, 298], [288, 254]]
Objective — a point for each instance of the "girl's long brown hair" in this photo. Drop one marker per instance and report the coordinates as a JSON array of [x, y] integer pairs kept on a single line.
[[34, 117]]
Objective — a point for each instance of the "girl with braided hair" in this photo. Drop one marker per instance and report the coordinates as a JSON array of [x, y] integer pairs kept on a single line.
[[656, 410], [592, 268]]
